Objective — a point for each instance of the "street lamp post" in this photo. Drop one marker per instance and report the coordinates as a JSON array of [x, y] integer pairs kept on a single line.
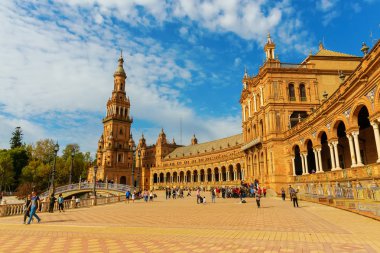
[[56, 149], [72, 164], [133, 150], [95, 171], [139, 171]]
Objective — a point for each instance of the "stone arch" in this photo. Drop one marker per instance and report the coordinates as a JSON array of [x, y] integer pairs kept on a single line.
[[231, 172], [167, 177], [335, 124], [188, 176], [376, 98], [362, 102], [320, 133], [209, 175], [202, 173], [195, 176], [123, 180], [239, 172], [175, 177], [366, 138], [311, 163], [224, 173], [216, 173], [155, 178], [181, 176], [324, 152], [297, 159], [161, 179], [343, 148]]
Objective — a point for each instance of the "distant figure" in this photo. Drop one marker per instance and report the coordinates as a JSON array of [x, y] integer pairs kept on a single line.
[[204, 199], [258, 196], [294, 197], [283, 193], [60, 202], [133, 196], [290, 189], [213, 195], [77, 202], [127, 196], [51, 203], [265, 191], [198, 196]]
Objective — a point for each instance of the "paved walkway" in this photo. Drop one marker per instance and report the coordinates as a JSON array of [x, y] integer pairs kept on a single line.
[[183, 226]]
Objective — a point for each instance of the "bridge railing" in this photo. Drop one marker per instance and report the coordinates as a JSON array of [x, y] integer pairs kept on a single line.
[[88, 186], [19, 209]]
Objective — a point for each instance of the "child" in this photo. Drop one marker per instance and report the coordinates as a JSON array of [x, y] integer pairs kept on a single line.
[[204, 200], [258, 200]]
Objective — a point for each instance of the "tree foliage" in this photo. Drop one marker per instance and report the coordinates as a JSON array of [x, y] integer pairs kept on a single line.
[[6, 171], [16, 139]]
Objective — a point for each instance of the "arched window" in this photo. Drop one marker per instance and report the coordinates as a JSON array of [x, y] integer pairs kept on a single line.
[[292, 95], [302, 92]]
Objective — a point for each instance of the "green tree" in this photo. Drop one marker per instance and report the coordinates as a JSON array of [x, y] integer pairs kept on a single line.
[[44, 151], [20, 159], [16, 139], [6, 170]]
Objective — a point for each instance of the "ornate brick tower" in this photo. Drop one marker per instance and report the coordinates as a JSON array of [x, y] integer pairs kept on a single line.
[[114, 155]]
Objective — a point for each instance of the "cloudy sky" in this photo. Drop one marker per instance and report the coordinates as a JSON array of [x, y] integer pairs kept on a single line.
[[184, 60]]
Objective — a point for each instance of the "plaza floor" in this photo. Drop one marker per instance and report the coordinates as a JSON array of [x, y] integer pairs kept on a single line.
[[183, 226]]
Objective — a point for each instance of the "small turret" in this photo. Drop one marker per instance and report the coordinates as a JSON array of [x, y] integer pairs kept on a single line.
[[194, 140], [269, 48], [142, 142], [120, 69], [131, 142], [161, 137]]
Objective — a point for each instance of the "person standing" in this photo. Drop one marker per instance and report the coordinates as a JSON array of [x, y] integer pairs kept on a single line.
[[258, 196], [60, 202], [265, 191], [283, 193], [213, 195], [290, 190], [51, 203], [133, 196], [198, 196], [27, 208], [294, 198], [34, 206]]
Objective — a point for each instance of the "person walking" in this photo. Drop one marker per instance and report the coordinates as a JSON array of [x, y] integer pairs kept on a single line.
[[127, 196], [133, 196], [213, 195], [198, 196], [27, 208], [290, 190], [265, 191], [34, 206], [294, 198], [283, 193], [258, 196], [60, 202]]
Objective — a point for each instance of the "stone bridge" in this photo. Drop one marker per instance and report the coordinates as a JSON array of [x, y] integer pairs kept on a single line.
[[78, 188]]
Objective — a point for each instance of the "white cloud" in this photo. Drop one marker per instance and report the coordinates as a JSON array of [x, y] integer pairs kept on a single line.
[[328, 8], [60, 69]]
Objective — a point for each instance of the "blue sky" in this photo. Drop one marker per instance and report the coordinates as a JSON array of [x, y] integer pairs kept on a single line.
[[184, 60]]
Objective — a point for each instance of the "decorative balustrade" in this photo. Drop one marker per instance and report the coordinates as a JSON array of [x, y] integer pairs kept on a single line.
[[18, 209], [88, 186]]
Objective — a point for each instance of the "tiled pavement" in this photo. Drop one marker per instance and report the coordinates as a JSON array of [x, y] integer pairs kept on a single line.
[[183, 226]]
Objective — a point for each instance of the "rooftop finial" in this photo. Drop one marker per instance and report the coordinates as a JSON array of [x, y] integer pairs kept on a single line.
[[364, 48], [321, 45], [269, 39], [245, 72]]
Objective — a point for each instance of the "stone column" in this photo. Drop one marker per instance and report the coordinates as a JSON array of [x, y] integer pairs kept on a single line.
[[243, 109], [199, 177], [332, 157], [254, 102], [352, 150], [213, 177], [337, 166], [319, 150], [303, 164], [293, 166], [227, 176], [375, 127], [357, 148], [315, 151], [261, 96], [306, 165], [220, 176], [235, 175], [206, 176], [249, 108], [171, 179]]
